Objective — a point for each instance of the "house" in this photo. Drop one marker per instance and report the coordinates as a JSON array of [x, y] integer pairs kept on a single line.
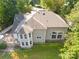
[[38, 26]]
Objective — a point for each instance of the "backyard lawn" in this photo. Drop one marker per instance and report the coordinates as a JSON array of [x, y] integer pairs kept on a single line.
[[43, 51]]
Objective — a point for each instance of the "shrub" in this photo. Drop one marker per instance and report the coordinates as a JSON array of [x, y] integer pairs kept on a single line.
[[3, 45]]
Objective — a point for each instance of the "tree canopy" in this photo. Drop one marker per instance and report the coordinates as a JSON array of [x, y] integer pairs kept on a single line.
[[53, 5], [67, 6], [8, 9], [23, 5], [71, 46], [7, 12], [74, 13]]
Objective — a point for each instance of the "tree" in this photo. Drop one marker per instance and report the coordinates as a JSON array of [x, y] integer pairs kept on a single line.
[[35, 2], [23, 5], [8, 9], [67, 6], [74, 13], [71, 46], [53, 5], [7, 12]]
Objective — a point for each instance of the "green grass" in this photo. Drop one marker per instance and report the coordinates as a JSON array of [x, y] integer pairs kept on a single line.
[[5, 56], [44, 51], [40, 51]]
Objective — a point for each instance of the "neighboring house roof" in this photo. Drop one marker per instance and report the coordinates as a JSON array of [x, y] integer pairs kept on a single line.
[[40, 19], [17, 19]]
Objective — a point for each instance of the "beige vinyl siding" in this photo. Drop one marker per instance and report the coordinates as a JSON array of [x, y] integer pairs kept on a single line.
[[39, 33], [50, 30]]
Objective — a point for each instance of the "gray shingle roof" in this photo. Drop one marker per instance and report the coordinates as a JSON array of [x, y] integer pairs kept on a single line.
[[17, 20]]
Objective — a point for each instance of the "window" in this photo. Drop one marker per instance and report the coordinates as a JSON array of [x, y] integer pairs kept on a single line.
[[26, 43], [30, 42], [59, 35], [38, 37], [54, 35], [29, 34], [21, 36], [22, 43], [25, 36]]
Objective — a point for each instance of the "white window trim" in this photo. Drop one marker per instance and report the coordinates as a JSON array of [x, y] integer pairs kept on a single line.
[[25, 35], [22, 43], [57, 34], [54, 34], [20, 36], [30, 35]]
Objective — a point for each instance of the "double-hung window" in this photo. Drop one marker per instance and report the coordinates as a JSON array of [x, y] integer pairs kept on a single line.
[[25, 36], [29, 34], [30, 42], [60, 35], [22, 43], [26, 43], [54, 35], [21, 36]]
